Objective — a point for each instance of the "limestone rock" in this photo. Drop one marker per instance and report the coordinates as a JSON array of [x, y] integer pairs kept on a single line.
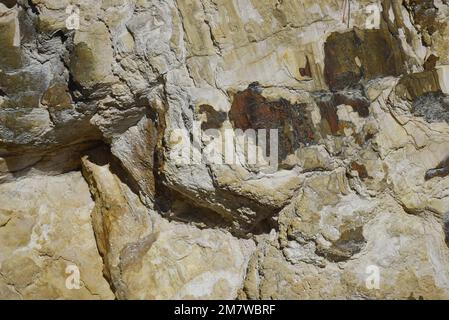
[[149, 258], [92, 56], [405, 257], [119, 219], [188, 263], [45, 230]]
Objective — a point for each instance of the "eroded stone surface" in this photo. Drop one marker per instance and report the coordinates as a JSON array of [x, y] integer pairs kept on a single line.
[[148, 258], [362, 175], [45, 227]]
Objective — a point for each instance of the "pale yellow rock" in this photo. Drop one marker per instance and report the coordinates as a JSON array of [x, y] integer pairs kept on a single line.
[[404, 257], [119, 218], [46, 228], [188, 263], [92, 56], [148, 258]]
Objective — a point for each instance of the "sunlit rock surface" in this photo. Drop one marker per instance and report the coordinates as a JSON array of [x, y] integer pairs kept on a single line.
[[98, 97]]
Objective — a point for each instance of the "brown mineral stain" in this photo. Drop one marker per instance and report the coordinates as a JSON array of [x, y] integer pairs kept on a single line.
[[361, 170], [251, 110], [431, 62], [329, 101]]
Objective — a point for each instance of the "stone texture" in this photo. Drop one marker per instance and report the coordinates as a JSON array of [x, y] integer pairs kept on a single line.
[[45, 226], [362, 173], [119, 219], [188, 263], [149, 258], [361, 54], [409, 252]]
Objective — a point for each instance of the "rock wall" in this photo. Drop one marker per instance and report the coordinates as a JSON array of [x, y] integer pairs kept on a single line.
[[128, 130]]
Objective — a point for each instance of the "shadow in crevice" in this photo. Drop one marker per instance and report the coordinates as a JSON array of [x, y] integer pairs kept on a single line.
[[442, 170], [446, 228], [175, 206], [54, 161], [9, 3], [350, 243], [102, 156]]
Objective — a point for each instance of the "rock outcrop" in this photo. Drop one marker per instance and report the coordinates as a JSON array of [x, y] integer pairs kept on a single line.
[[45, 230], [224, 149]]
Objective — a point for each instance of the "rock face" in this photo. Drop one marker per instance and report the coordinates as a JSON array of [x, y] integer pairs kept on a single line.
[[46, 228], [199, 149]]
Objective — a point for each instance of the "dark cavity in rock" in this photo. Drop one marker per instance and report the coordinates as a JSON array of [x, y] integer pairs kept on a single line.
[[9, 3], [446, 228], [306, 71]]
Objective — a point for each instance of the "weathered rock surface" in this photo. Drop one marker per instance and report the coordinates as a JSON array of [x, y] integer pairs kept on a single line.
[[147, 257], [409, 253], [45, 227], [102, 96]]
